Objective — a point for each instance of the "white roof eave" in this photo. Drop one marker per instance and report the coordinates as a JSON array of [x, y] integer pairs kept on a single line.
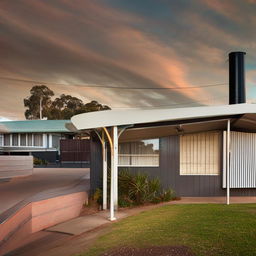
[[110, 118]]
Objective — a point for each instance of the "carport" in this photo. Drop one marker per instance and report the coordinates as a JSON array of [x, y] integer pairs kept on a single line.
[[126, 125]]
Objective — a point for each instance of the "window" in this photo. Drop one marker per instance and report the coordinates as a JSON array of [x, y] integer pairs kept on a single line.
[[30, 140], [38, 140], [1, 140], [15, 139], [55, 140], [139, 153], [7, 140], [23, 141], [200, 154]]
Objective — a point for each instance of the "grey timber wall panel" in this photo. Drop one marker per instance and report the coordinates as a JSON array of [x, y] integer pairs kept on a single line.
[[95, 165], [169, 174]]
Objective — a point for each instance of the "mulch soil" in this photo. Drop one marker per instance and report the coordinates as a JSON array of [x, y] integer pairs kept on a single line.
[[154, 250]]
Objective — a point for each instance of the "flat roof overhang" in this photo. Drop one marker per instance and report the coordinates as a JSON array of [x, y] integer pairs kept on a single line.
[[146, 124], [110, 118], [243, 123]]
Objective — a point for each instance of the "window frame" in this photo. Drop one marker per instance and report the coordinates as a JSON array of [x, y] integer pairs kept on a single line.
[[15, 140], [29, 140], [1, 140], [140, 165], [219, 153], [10, 140], [38, 137]]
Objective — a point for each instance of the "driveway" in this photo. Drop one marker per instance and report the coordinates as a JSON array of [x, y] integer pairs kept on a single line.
[[42, 179]]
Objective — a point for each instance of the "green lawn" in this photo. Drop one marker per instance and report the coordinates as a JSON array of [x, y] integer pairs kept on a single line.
[[207, 229]]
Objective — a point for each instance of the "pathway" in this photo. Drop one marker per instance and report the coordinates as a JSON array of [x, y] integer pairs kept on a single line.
[[18, 189]]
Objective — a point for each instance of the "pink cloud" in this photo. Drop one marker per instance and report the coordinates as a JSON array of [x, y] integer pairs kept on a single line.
[[102, 45]]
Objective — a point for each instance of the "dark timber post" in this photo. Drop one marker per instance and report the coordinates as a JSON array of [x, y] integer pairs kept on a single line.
[[236, 78]]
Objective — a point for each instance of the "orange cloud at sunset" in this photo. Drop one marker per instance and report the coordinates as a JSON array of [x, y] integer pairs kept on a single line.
[[71, 44]]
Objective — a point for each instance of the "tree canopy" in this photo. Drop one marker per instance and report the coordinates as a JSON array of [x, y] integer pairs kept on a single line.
[[32, 103], [62, 107]]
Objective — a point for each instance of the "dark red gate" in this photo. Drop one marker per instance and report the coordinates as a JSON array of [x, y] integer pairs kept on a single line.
[[74, 151]]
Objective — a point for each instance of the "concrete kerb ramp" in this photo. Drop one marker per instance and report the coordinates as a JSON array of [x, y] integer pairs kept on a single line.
[[39, 212]]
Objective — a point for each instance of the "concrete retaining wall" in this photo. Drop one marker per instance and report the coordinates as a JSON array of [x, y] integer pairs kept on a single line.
[[35, 215], [15, 166]]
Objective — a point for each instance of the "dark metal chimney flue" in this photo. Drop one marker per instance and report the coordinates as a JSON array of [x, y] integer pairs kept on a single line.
[[236, 78]]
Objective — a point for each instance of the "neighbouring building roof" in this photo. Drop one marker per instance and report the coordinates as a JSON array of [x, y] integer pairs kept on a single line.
[[34, 126]]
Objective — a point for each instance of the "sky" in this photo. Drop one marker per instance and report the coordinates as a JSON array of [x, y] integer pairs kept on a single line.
[[179, 48]]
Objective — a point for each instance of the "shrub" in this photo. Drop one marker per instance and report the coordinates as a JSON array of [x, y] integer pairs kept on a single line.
[[124, 201], [168, 195], [38, 161], [137, 189], [154, 187], [97, 196], [125, 180], [95, 201], [156, 200]]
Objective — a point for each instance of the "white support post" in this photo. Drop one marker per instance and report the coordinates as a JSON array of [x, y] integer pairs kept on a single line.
[[44, 140], [11, 140], [228, 163], [105, 174], [50, 140], [112, 191], [113, 142], [115, 165], [26, 139]]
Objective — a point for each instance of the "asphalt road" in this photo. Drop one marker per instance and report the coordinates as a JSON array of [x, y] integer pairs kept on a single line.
[[42, 179]]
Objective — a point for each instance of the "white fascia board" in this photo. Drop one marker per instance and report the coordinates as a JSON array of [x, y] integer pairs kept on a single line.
[[110, 118]]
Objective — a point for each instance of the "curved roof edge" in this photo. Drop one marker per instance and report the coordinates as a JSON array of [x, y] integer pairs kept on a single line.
[[109, 118]]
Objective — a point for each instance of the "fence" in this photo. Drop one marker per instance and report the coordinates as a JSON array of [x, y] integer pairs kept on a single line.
[[74, 151]]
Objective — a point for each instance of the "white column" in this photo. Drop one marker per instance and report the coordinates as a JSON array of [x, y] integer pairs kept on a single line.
[[50, 140], [115, 149], [104, 175], [112, 184], [11, 140], [19, 140], [44, 140], [228, 163]]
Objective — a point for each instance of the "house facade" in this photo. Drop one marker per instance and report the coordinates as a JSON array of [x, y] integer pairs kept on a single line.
[[188, 151], [40, 138]]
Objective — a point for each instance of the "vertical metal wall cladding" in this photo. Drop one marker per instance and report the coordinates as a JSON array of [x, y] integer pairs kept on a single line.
[[243, 160]]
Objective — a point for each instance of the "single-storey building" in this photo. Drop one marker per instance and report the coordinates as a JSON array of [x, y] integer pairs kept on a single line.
[[199, 151], [185, 147], [49, 140]]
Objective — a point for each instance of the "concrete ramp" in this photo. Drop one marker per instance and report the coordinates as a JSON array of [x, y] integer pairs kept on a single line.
[[15, 166], [41, 211]]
